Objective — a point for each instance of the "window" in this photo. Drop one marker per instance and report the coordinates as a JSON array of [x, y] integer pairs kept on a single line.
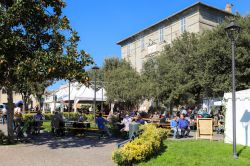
[[162, 34], [219, 20], [128, 49], [142, 43], [183, 24]]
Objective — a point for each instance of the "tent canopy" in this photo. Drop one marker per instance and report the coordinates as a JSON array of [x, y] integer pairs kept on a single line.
[[79, 92]]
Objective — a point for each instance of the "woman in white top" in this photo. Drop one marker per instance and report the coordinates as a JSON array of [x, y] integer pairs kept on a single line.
[[126, 121]]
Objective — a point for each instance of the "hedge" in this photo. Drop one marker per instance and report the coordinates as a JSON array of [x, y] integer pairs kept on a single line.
[[71, 115], [141, 148]]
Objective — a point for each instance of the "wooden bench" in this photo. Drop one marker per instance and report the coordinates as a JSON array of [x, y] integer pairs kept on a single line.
[[163, 125], [77, 130]]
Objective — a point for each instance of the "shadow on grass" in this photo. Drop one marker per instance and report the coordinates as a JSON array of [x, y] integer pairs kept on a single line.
[[241, 150]]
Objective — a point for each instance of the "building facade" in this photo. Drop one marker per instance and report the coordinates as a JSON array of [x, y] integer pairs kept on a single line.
[[4, 98], [147, 43], [16, 98]]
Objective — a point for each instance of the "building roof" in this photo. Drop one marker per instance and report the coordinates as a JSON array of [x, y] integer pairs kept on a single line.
[[173, 15]]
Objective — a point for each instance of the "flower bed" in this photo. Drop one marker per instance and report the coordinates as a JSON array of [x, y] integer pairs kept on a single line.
[[142, 148]]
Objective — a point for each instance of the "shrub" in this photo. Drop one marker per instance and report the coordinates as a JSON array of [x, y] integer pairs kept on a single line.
[[141, 148], [28, 116], [70, 115]]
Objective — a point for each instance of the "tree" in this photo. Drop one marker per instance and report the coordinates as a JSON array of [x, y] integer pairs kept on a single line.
[[198, 66], [122, 82], [34, 46], [213, 60], [170, 74]]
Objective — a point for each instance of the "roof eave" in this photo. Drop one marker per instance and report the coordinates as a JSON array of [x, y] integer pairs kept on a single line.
[[169, 17]]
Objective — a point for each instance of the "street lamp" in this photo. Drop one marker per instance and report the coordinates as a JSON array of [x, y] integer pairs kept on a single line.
[[233, 31], [95, 68]]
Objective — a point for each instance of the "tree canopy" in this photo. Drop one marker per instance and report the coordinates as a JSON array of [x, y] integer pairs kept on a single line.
[[37, 44], [193, 67]]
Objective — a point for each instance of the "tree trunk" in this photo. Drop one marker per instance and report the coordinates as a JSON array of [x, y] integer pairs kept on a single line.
[[10, 115], [25, 98], [39, 98]]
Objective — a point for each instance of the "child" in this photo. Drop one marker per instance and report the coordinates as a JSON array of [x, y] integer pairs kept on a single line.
[[174, 126]]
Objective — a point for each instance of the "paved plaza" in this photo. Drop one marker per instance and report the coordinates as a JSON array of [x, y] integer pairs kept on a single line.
[[46, 150]]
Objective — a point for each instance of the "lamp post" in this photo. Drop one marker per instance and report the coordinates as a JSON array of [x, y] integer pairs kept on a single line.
[[95, 68], [233, 31], [69, 109]]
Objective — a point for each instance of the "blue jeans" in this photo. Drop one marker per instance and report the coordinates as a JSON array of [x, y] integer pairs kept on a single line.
[[4, 118], [175, 129]]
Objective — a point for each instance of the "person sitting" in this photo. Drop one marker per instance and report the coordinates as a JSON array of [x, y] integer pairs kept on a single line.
[[163, 119], [100, 121], [38, 118], [4, 115], [17, 117], [126, 121], [82, 117], [174, 126], [183, 125], [57, 124], [155, 117], [183, 111], [140, 120]]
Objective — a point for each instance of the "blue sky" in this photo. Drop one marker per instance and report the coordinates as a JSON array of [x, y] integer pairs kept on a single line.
[[102, 23]]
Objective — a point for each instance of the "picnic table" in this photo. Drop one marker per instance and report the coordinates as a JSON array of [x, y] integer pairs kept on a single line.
[[157, 122], [76, 127]]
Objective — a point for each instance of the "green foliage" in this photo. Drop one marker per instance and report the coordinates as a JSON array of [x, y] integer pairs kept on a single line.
[[37, 45], [46, 126], [141, 148], [213, 59], [70, 115], [197, 66], [201, 152], [122, 82]]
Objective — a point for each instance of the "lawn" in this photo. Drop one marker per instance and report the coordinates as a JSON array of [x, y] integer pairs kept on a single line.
[[199, 153], [47, 126]]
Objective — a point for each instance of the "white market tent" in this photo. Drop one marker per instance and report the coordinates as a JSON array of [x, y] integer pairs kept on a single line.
[[242, 117], [78, 93]]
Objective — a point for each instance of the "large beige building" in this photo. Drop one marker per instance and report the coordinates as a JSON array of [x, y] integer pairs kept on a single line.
[[16, 98], [150, 41]]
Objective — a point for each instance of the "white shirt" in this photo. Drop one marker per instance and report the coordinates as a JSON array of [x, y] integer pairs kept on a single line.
[[126, 122], [4, 110]]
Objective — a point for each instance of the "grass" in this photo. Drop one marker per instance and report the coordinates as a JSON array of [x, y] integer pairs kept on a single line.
[[47, 126], [199, 153]]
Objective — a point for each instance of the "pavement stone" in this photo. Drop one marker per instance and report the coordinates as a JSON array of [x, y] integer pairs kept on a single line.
[[46, 150]]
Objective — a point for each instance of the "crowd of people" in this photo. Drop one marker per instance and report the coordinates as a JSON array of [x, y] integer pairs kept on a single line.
[[180, 122]]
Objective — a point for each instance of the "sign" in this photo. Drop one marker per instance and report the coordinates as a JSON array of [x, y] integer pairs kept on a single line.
[[204, 128]]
